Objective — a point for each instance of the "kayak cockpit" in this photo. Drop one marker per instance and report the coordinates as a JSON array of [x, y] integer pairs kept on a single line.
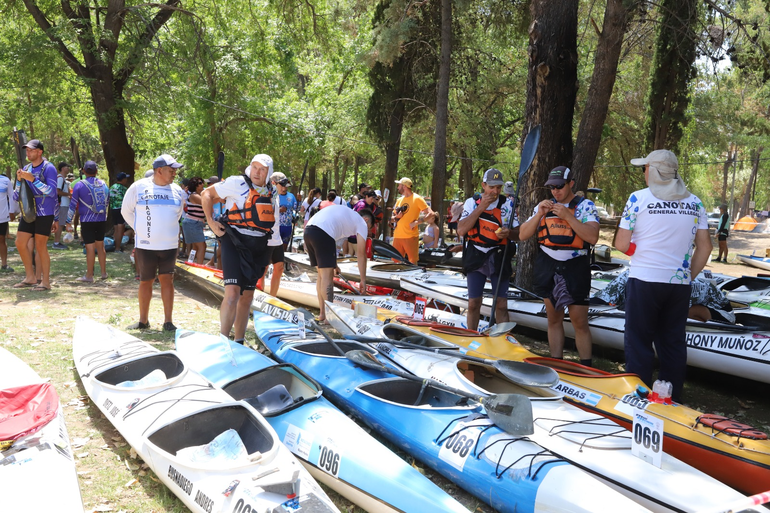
[[324, 348], [155, 370], [201, 428], [274, 390], [406, 334], [413, 394]]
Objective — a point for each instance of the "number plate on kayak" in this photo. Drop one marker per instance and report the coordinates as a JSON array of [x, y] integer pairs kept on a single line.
[[647, 441], [457, 446]]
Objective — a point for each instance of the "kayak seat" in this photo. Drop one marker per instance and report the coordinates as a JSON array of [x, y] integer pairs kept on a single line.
[[274, 399], [202, 427], [409, 393], [274, 390], [168, 363]]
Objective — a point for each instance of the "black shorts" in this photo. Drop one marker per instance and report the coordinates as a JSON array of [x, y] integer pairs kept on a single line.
[[41, 226], [117, 216], [452, 226], [722, 236], [321, 248], [93, 232], [276, 254], [576, 273], [150, 262], [4, 229], [236, 271]]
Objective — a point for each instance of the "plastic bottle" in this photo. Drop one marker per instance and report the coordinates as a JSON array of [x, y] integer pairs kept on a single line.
[[668, 389], [153, 378], [658, 388]]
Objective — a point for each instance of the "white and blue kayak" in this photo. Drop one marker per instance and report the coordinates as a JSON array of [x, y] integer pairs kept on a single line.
[[37, 468], [333, 448], [589, 441], [216, 454], [747, 289], [755, 261], [445, 431], [741, 349]]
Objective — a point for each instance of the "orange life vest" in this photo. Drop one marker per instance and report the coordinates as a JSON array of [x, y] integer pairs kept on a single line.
[[483, 233], [257, 213], [556, 233]]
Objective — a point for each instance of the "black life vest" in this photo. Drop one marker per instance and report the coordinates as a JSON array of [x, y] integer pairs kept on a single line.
[[556, 233], [257, 213], [483, 233]]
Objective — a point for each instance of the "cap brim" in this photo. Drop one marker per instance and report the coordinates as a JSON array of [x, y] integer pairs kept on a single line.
[[176, 165], [495, 183], [555, 181], [638, 162]]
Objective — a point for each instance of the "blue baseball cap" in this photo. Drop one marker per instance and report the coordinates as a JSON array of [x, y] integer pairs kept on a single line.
[[166, 160]]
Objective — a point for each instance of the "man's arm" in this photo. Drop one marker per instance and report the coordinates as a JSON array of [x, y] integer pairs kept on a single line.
[[623, 240], [529, 227], [209, 196], [703, 248], [128, 207]]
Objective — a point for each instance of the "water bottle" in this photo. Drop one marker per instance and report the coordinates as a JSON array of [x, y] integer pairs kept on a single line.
[[665, 395], [658, 390], [191, 258]]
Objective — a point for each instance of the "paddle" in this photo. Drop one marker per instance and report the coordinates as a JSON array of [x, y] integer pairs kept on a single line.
[[352, 288], [325, 335], [527, 156], [510, 412], [220, 172], [498, 329], [518, 372]]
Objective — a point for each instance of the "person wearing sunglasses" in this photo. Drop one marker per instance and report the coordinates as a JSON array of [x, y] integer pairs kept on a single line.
[[566, 227]]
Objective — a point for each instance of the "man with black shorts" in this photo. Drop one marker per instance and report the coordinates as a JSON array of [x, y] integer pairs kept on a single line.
[[275, 245], [484, 223], [331, 224], [5, 218], [152, 207], [90, 197], [243, 232], [117, 193], [566, 227], [41, 176]]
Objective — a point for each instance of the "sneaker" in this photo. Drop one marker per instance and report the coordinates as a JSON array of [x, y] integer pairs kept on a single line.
[[59, 245], [169, 326], [139, 326], [6, 269]]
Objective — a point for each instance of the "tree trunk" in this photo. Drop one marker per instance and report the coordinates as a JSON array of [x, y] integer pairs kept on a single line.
[[392, 151], [616, 16], [438, 189], [466, 172], [732, 153], [355, 174], [341, 183], [311, 177], [756, 155], [118, 153], [551, 92]]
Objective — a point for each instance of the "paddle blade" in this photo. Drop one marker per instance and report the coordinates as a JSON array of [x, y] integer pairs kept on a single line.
[[528, 151], [385, 250], [527, 374], [499, 329], [510, 412]]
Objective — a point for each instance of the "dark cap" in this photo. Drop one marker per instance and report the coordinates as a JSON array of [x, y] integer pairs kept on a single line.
[[493, 177], [369, 194], [121, 176], [166, 160], [34, 144], [212, 179], [559, 176], [90, 165]]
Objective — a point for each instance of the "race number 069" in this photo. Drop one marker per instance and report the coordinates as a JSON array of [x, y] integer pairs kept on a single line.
[[644, 435], [647, 437]]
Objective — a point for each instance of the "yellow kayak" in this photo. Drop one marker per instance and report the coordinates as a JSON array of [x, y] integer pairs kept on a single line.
[[727, 450]]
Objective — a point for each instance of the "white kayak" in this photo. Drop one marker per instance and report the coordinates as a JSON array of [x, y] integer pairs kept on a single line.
[[747, 289], [214, 453], [589, 441], [37, 468], [741, 349], [755, 261]]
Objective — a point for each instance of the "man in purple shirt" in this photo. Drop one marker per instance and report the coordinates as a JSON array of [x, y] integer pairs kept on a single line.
[[41, 176], [91, 198]]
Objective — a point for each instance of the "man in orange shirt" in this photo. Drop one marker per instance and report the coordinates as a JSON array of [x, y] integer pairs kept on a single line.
[[409, 211]]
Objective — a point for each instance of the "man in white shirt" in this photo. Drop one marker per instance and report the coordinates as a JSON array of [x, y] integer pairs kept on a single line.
[[243, 232], [664, 228], [152, 207], [63, 192], [330, 225], [5, 217]]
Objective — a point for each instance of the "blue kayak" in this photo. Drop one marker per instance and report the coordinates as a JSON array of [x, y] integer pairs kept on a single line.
[[334, 449], [445, 431]]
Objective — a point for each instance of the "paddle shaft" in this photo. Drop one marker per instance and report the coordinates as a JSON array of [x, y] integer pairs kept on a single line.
[[296, 209], [528, 151], [325, 335]]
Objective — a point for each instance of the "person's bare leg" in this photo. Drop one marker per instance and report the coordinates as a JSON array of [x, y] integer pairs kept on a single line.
[[555, 329], [145, 295], [3, 251], [200, 251], [167, 295], [22, 239], [102, 254], [41, 248], [473, 313], [325, 288], [578, 315], [90, 258], [275, 280], [501, 312], [227, 310], [242, 314], [119, 229]]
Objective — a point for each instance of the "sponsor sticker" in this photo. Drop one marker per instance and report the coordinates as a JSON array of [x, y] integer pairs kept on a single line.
[[577, 393], [298, 441], [301, 324]]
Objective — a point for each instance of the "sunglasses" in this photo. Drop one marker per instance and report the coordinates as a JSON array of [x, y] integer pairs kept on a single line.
[[557, 187]]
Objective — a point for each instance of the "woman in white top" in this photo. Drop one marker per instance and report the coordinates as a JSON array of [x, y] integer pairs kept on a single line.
[[430, 235]]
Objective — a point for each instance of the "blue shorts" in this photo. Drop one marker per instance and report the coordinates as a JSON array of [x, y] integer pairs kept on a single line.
[[478, 279], [286, 234], [193, 231]]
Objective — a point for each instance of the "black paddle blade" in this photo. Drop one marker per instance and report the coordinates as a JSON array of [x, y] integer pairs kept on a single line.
[[527, 374], [510, 412], [385, 250], [528, 150]]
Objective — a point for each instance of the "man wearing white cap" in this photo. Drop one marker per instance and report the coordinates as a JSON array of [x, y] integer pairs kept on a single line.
[[152, 207], [664, 228], [566, 227], [243, 233], [409, 211]]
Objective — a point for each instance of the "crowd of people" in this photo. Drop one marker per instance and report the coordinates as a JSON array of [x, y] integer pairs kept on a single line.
[[663, 229]]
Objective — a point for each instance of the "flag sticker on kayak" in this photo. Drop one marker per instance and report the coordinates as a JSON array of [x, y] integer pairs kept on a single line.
[[474, 345], [298, 441], [577, 393]]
